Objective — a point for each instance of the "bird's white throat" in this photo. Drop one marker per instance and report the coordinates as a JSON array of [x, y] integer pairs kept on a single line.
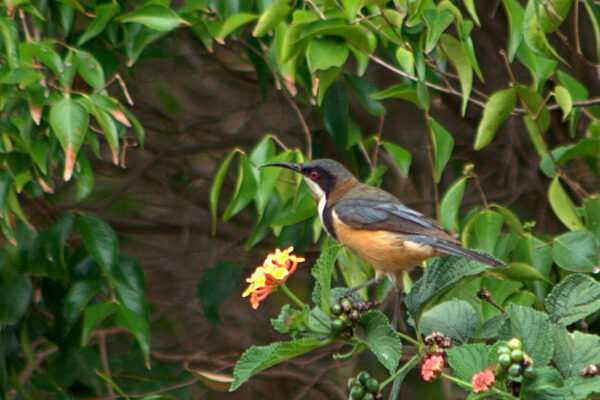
[[319, 195]]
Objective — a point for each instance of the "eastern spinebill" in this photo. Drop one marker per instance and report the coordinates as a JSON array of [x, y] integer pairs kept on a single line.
[[374, 224]]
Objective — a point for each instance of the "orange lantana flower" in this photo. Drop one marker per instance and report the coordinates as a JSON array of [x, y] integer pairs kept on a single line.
[[483, 381], [272, 273], [432, 367]]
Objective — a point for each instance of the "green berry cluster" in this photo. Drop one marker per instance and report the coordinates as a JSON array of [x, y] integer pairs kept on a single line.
[[346, 314], [513, 361], [363, 387]]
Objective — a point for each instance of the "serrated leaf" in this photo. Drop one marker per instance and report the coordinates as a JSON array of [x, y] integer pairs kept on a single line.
[[234, 22], [154, 16], [100, 241], [325, 53], [459, 58], [245, 188], [533, 328], [563, 206], [456, 319], [496, 111], [401, 157], [381, 339], [258, 358], [322, 272], [547, 384], [468, 359], [582, 387], [450, 204], [440, 276], [576, 297], [215, 285], [104, 14], [443, 143], [576, 251], [575, 351], [69, 122]]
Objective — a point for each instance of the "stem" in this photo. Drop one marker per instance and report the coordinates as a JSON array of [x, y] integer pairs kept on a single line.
[[292, 296], [494, 390], [408, 338], [409, 364]]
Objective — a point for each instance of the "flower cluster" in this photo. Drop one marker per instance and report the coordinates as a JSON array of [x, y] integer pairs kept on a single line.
[[272, 273], [483, 381], [432, 367]]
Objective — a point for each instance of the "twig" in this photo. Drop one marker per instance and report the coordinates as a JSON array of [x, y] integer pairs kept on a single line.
[[105, 365]]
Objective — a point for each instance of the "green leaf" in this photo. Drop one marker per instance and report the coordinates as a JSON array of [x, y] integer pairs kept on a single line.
[[90, 69], [450, 204], [483, 231], [440, 276], [563, 98], [540, 68], [215, 285], [351, 7], [93, 317], [575, 351], [468, 359], [364, 90], [234, 22], [128, 281], [401, 157], [586, 147], [245, 188], [84, 177], [443, 143], [563, 206], [325, 53], [583, 387], [108, 126], [69, 122], [547, 384], [576, 251], [354, 34], [291, 321], [470, 6], [272, 16], [591, 211], [15, 294], [497, 109], [437, 20], [104, 14], [406, 59], [459, 58], [79, 294], [401, 91], [100, 241], [44, 51], [10, 40], [534, 34], [258, 358], [576, 297], [138, 326], [593, 16], [456, 319], [533, 328], [381, 339], [154, 16], [552, 14], [336, 114], [522, 271], [510, 218], [322, 272]]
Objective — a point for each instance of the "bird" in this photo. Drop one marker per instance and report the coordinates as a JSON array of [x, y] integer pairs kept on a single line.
[[376, 225]]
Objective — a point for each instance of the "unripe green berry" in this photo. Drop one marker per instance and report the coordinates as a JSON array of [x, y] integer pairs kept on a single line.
[[368, 396], [515, 344], [503, 350], [516, 356], [504, 360], [515, 370], [336, 309], [352, 382], [372, 385], [346, 305], [529, 372], [353, 316], [337, 325], [363, 377], [357, 392], [344, 319]]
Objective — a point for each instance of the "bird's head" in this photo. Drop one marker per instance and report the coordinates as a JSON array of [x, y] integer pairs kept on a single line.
[[322, 176]]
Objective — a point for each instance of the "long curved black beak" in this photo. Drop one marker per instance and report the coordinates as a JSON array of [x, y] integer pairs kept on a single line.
[[292, 166]]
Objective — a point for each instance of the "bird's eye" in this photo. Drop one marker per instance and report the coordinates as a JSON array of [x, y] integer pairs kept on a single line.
[[314, 175]]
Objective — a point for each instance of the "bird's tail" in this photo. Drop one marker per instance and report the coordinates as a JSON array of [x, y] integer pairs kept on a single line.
[[455, 249]]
